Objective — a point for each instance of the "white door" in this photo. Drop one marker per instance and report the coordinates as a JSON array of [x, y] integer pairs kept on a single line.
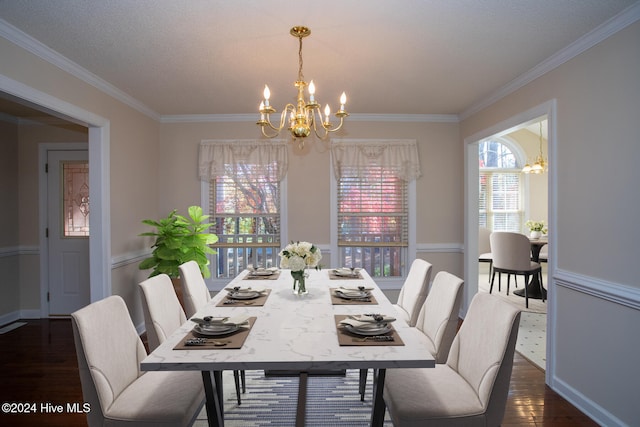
[[68, 230]]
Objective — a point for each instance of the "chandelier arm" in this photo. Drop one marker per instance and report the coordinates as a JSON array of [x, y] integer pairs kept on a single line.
[[315, 128], [262, 128], [283, 118], [338, 127]]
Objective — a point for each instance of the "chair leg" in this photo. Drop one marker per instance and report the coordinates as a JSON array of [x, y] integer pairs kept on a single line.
[[508, 282], [362, 384], [526, 294], [490, 269], [236, 379], [541, 286], [243, 381], [493, 277]]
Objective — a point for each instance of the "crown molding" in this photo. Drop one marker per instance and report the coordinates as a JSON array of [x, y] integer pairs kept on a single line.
[[208, 118], [600, 33], [592, 38], [356, 117], [42, 51]]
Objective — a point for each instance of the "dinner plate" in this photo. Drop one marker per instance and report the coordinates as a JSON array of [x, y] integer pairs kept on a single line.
[[214, 330], [369, 331], [244, 294], [352, 294], [262, 273], [345, 272]]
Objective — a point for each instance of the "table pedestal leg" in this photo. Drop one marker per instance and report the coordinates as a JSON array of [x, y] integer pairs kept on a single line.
[[534, 290]]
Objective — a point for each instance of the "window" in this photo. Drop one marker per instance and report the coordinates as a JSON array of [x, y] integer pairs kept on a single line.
[[246, 181], [373, 199], [373, 220], [500, 193], [245, 208]]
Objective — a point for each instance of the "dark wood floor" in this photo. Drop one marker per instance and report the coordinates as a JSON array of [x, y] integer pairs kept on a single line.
[[38, 366]]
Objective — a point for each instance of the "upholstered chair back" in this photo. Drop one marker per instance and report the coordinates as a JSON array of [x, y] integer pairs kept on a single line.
[[482, 351], [438, 319], [484, 243], [414, 291], [98, 329], [194, 290], [162, 311], [511, 251]]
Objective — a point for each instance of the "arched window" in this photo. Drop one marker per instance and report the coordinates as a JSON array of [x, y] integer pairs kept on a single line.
[[501, 194]]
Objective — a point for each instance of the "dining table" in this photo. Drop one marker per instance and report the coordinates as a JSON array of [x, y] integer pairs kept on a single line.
[[290, 332], [535, 289]]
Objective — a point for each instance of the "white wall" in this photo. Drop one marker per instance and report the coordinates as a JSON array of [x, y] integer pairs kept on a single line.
[[595, 294]]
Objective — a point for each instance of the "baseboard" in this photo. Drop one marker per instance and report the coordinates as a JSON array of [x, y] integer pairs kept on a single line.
[[7, 318], [586, 405]]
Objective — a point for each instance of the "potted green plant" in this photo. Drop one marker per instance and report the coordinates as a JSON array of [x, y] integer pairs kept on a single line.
[[179, 239]]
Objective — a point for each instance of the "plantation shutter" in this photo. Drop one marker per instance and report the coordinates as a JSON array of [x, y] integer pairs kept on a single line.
[[372, 208]]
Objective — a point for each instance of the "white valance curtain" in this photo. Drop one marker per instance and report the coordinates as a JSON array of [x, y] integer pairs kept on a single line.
[[397, 155], [216, 155]]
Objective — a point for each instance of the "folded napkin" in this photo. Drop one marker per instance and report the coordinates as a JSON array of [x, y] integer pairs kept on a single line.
[[352, 294], [236, 320], [263, 271], [346, 271], [255, 288], [366, 321], [354, 288]]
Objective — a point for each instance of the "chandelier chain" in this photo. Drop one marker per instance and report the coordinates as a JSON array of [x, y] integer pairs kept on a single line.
[[300, 75]]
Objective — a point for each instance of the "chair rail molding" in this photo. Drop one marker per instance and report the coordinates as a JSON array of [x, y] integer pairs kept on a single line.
[[609, 291]]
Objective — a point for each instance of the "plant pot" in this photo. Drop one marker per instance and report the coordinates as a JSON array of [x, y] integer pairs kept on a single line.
[[536, 234]]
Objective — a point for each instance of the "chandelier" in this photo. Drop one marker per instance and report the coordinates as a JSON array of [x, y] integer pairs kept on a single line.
[[304, 115], [540, 165]]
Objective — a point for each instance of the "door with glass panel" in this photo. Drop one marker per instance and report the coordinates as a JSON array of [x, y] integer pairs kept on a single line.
[[68, 230]]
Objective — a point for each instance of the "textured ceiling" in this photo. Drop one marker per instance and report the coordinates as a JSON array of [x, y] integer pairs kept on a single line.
[[391, 57]]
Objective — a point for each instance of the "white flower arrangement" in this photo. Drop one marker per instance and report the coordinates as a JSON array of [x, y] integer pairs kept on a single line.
[[299, 255], [536, 226]]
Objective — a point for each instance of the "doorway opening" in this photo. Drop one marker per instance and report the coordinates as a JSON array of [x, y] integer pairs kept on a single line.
[[99, 141], [472, 206]]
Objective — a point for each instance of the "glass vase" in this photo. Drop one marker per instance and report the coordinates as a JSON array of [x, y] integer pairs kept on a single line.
[[299, 282]]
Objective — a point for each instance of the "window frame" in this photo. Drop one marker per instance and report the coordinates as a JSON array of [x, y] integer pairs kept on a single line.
[[390, 283], [520, 157], [214, 283]]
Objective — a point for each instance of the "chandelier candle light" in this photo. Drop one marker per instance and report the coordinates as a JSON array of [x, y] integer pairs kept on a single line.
[[298, 256], [540, 164], [303, 116]]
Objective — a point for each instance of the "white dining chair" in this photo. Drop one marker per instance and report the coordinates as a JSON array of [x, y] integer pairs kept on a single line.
[[161, 308], [437, 319], [109, 353], [195, 295], [471, 388], [414, 291], [512, 255], [410, 300]]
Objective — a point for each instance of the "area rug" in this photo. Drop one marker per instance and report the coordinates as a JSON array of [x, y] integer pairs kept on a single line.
[[535, 305], [272, 401], [532, 338]]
